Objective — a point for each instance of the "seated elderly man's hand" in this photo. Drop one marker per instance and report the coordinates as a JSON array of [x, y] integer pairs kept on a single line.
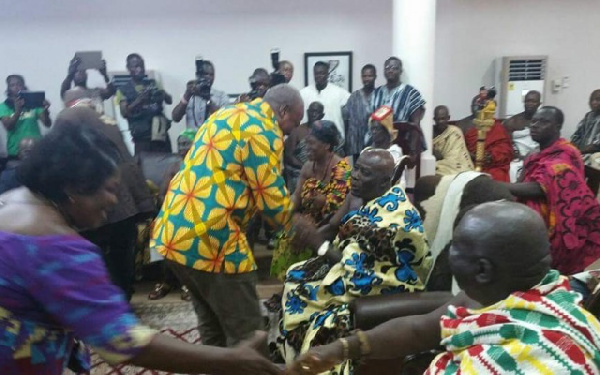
[[317, 360], [305, 233]]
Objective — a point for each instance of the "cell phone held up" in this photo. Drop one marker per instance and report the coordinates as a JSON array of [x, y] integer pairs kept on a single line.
[[33, 99]]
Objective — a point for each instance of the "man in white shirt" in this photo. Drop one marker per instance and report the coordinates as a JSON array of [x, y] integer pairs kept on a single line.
[[331, 96]]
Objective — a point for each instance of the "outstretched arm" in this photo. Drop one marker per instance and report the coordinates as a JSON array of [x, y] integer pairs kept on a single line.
[[168, 354], [396, 338], [526, 190]]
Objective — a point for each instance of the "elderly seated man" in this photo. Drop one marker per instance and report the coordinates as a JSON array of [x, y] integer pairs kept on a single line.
[[380, 248], [449, 148], [516, 315]]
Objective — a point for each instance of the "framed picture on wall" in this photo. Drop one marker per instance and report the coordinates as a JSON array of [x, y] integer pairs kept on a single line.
[[340, 68]]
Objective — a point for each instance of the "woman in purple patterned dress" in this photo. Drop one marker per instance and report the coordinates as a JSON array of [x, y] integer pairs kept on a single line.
[[54, 288]]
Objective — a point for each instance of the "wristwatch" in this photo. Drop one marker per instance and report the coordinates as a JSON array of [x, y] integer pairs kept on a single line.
[[323, 248]]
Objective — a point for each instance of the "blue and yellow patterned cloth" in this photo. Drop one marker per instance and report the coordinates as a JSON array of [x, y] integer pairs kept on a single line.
[[232, 171], [384, 251]]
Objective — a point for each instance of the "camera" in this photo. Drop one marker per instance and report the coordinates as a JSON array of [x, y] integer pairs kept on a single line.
[[203, 84], [156, 96], [276, 77]]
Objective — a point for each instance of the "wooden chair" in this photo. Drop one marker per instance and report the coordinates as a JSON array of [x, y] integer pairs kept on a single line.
[[592, 304], [592, 178]]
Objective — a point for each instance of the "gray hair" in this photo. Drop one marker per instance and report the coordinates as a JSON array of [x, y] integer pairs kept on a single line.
[[283, 95]]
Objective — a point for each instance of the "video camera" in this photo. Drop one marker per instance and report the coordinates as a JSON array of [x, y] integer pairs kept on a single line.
[[203, 84]]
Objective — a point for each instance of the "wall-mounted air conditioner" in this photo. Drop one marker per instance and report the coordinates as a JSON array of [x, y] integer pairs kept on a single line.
[[516, 76]]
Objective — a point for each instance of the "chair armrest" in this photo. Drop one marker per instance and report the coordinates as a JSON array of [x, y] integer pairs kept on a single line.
[[369, 312], [592, 176]]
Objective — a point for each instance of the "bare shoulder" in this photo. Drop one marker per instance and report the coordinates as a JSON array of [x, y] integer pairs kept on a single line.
[[21, 216]]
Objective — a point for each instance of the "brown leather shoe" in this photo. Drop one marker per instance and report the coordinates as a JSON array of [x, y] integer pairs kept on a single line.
[[185, 294], [160, 291]]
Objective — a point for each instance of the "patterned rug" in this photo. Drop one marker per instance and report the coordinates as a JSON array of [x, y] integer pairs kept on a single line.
[[176, 319]]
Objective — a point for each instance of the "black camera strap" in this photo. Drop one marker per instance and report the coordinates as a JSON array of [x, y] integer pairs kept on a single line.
[[206, 111]]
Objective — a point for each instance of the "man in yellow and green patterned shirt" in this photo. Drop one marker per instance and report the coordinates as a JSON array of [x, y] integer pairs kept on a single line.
[[232, 171]]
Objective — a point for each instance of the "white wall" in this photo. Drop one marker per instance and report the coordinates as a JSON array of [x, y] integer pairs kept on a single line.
[[237, 35], [40, 38], [471, 33]]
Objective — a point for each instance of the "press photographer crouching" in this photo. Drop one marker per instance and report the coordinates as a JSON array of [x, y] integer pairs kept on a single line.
[[141, 102], [200, 100]]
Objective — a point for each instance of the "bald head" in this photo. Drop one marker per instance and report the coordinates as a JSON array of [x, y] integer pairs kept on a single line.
[[381, 161], [499, 248], [372, 174]]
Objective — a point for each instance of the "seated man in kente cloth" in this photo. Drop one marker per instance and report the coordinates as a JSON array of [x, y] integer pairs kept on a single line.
[[380, 248], [515, 316]]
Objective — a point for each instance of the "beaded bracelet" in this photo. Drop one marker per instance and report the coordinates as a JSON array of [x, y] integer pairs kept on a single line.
[[365, 345], [346, 352]]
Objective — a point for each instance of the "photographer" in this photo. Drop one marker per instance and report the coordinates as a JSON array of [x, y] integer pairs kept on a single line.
[[260, 81], [141, 103], [78, 77], [200, 100], [20, 121]]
